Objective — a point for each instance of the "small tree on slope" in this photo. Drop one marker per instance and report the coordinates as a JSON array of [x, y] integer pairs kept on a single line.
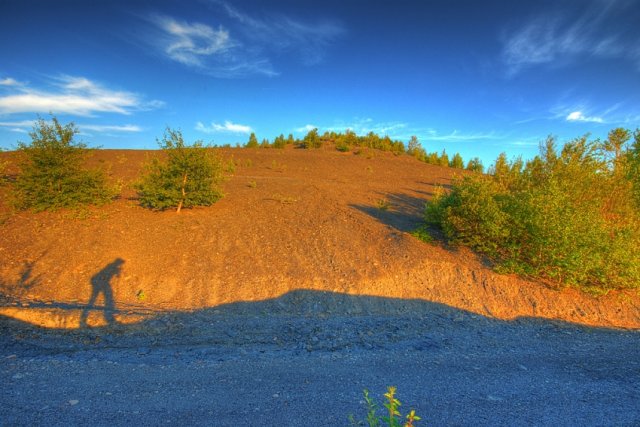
[[189, 176], [52, 170]]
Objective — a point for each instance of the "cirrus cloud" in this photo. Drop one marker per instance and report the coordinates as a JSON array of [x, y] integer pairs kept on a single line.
[[24, 126], [578, 116], [73, 95], [243, 44], [227, 127], [596, 30]]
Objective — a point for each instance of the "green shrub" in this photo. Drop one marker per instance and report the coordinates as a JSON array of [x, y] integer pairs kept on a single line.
[[312, 139], [393, 416], [188, 177], [53, 175], [633, 171], [383, 204], [279, 142], [567, 217]]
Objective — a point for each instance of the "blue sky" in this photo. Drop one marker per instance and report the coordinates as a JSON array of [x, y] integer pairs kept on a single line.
[[462, 75]]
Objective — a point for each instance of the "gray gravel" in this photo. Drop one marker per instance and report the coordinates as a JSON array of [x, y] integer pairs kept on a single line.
[[304, 361]]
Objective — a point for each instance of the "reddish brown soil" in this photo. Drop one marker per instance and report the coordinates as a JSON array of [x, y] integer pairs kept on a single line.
[[290, 219]]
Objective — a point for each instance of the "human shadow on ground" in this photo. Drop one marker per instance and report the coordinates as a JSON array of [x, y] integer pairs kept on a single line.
[[101, 284]]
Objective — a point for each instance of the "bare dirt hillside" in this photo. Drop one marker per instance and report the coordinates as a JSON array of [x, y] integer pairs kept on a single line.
[[291, 219]]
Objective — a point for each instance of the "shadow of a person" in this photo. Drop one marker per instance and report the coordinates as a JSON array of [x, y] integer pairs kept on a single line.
[[101, 284]]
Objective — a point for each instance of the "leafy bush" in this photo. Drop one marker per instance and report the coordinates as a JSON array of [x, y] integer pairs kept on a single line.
[[633, 171], [393, 417], [53, 175], [188, 177], [475, 165], [312, 139], [279, 142], [568, 217]]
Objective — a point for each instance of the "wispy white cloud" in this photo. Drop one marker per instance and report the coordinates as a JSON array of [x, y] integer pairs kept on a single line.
[[578, 116], [25, 126], [73, 95], [205, 49], [227, 127], [111, 128], [457, 136], [282, 33], [583, 111], [191, 43], [243, 44], [558, 40], [8, 81], [363, 126], [305, 128]]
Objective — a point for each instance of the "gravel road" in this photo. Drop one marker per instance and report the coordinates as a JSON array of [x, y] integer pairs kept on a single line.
[[305, 364]]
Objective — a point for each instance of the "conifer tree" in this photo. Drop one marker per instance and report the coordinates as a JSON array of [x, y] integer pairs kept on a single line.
[[253, 141]]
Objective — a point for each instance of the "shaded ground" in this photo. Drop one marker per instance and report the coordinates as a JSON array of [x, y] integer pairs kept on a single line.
[[300, 360]]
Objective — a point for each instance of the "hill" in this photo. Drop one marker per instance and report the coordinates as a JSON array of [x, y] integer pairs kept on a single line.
[[291, 219]]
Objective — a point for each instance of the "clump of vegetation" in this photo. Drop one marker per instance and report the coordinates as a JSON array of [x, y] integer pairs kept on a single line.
[[383, 204], [415, 149], [312, 139], [349, 141], [279, 142], [53, 173], [189, 176], [571, 217], [422, 233], [393, 416], [253, 141]]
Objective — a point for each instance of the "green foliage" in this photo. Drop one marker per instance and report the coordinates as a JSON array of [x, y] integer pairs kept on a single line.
[[443, 160], [393, 416], [53, 175], [188, 177], [475, 165], [413, 147], [422, 233], [279, 142], [633, 170], [383, 204], [312, 139], [456, 161], [253, 141], [568, 217]]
